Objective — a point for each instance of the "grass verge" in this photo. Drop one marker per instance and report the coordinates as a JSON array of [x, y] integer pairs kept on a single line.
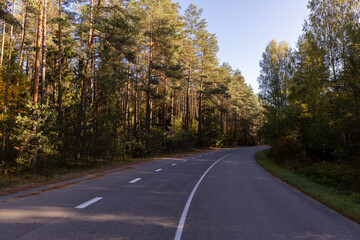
[[345, 203]]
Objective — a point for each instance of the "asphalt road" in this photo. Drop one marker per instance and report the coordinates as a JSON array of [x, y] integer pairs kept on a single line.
[[218, 195]]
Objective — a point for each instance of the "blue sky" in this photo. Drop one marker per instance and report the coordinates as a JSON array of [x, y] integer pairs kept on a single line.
[[244, 28]]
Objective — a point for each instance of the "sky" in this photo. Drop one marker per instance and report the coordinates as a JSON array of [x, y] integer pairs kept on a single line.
[[244, 28]]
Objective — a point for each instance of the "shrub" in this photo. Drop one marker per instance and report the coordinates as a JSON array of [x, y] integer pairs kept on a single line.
[[34, 137]]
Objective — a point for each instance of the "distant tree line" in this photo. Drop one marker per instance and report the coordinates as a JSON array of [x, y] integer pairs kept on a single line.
[[312, 94], [107, 79]]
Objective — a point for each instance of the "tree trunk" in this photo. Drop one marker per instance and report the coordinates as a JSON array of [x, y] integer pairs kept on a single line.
[[79, 118], [27, 68], [84, 92], [187, 104], [221, 120], [92, 81], [9, 65], [92, 78], [60, 66], [23, 33], [37, 54], [3, 161], [236, 129], [148, 95], [2, 45], [43, 75], [84, 99], [126, 102], [136, 97], [115, 133], [37, 70], [164, 114], [200, 115], [173, 108]]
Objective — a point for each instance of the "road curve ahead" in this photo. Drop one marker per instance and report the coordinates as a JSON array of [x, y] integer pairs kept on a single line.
[[218, 195]]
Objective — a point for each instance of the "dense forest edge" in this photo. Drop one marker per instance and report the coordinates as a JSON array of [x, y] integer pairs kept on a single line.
[[89, 81], [311, 98]]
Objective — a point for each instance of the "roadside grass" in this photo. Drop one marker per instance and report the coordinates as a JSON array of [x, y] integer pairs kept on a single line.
[[345, 202], [15, 180]]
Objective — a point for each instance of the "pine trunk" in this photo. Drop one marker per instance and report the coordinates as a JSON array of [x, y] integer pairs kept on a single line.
[[23, 34], [136, 97], [37, 54], [3, 161], [200, 115], [187, 104], [164, 114], [92, 81], [148, 94], [43, 74], [126, 103], [60, 66], [84, 92], [2, 45]]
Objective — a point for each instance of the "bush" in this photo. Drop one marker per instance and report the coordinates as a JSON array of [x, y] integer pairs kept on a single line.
[[34, 137], [287, 148], [331, 174], [180, 139], [135, 148]]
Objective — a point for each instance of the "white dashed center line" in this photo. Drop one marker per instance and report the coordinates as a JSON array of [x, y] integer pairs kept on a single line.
[[193, 158], [158, 170], [88, 203], [135, 180], [185, 160], [173, 164]]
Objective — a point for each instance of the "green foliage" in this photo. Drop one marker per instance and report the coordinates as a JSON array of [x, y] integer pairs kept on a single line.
[[5, 14], [311, 106], [34, 136], [311, 94], [178, 138], [341, 176], [122, 79], [135, 148]]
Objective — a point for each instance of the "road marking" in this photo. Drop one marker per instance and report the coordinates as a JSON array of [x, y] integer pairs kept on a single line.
[[158, 170], [187, 206], [88, 203], [173, 164], [193, 158], [135, 180], [185, 160]]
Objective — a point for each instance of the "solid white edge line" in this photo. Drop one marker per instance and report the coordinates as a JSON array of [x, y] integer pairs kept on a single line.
[[88, 203], [181, 224], [135, 180], [158, 170]]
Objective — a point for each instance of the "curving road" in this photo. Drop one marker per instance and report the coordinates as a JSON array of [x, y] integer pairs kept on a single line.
[[218, 195]]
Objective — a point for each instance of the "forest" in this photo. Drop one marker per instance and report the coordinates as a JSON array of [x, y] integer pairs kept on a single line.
[[89, 80], [311, 95]]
